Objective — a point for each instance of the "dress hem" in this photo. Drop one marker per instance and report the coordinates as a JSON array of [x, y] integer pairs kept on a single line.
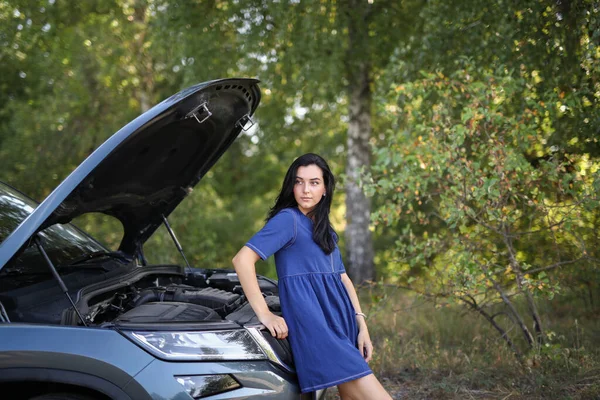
[[336, 382]]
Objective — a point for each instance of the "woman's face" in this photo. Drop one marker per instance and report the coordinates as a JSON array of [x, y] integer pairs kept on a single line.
[[309, 187]]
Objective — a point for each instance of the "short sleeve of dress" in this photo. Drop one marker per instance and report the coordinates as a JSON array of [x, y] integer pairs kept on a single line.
[[278, 232]]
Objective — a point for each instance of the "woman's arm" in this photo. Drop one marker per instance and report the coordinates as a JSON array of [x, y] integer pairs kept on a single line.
[[244, 264], [364, 340]]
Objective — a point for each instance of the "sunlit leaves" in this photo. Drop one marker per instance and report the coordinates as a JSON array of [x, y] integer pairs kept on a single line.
[[475, 204]]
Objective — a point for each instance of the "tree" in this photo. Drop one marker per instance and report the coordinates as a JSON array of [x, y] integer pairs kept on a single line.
[[485, 223], [538, 73], [323, 56], [71, 81]]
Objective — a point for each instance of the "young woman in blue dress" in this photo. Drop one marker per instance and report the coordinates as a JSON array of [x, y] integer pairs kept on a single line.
[[322, 317]]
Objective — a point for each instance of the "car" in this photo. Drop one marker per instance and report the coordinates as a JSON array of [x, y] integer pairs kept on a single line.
[[79, 321]]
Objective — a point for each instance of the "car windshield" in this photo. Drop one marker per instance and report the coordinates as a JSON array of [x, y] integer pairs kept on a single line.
[[63, 243]]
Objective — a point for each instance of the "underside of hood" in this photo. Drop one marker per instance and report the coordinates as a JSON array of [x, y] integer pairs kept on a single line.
[[143, 171]]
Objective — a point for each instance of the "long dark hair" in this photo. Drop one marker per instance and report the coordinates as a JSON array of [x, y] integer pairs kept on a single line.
[[323, 233]]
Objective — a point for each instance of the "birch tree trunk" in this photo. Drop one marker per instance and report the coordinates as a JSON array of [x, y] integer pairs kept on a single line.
[[359, 245]]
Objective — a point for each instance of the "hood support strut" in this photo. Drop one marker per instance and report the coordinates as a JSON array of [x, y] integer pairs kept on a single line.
[[179, 248], [61, 283]]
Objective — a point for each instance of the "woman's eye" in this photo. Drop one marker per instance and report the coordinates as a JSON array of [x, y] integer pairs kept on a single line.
[[315, 183]]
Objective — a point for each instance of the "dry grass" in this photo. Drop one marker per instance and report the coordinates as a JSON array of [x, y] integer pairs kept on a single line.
[[423, 352]]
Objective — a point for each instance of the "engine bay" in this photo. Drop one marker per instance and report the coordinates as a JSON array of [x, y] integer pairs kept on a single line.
[[149, 295]]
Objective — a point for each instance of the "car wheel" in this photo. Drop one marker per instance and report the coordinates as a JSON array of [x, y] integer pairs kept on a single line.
[[62, 396]]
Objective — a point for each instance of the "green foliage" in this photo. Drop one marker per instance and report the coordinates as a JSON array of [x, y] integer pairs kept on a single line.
[[481, 207], [74, 76], [552, 44], [486, 180]]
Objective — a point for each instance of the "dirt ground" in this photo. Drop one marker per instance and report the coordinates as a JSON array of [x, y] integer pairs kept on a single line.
[[421, 391]]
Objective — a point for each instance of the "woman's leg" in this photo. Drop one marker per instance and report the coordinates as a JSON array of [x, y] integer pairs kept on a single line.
[[365, 388]]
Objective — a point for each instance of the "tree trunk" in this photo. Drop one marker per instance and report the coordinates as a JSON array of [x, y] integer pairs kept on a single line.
[[537, 321], [144, 99], [516, 317], [359, 246]]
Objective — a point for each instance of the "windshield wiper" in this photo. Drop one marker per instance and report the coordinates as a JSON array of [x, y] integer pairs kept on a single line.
[[100, 254]]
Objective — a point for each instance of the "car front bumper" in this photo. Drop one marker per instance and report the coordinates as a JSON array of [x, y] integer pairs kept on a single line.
[[257, 380]]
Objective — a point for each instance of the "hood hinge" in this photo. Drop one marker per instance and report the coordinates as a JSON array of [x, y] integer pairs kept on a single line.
[[201, 113], [245, 122]]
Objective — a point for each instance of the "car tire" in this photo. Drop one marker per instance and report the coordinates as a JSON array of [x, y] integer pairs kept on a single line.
[[62, 396]]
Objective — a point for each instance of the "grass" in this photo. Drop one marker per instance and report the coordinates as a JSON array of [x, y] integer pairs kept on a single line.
[[424, 352]]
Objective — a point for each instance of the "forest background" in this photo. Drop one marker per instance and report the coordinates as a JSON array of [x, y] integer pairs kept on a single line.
[[464, 135]]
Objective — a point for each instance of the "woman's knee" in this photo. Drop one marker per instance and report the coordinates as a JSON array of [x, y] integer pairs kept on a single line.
[[365, 388]]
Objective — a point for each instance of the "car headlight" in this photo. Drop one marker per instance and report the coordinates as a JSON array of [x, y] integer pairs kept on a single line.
[[208, 345]]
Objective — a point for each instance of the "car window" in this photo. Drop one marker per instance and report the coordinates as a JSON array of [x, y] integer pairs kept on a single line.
[[14, 208], [63, 243]]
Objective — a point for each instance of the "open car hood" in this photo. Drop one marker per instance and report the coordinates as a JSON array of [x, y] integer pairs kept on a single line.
[[142, 172]]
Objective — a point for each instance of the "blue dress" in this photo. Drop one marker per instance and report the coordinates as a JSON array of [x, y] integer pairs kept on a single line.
[[314, 302]]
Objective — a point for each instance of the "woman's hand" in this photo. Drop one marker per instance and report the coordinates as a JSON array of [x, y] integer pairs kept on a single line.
[[365, 346], [275, 324]]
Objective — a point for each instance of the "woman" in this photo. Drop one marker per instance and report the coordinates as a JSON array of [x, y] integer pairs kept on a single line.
[[327, 330]]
